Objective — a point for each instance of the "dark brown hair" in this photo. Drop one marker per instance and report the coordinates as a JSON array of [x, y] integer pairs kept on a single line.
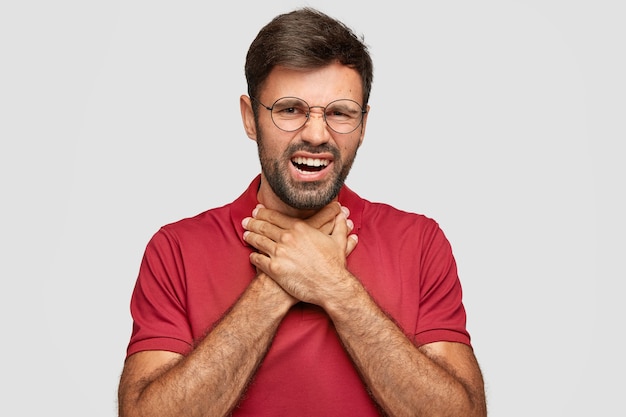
[[306, 39]]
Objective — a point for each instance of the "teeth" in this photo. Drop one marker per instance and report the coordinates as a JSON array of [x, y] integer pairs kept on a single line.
[[312, 162]]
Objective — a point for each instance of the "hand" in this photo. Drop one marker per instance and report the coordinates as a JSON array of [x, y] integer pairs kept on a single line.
[[324, 221], [307, 258], [279, 295]]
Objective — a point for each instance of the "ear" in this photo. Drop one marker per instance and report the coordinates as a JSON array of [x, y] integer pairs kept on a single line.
[[363, 125], [247, 116]]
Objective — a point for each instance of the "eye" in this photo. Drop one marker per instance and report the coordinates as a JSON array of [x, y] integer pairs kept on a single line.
[[340, 113], [336, 113], [289, 108]]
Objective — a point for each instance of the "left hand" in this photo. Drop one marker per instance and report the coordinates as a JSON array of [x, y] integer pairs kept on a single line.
[[299, 255]]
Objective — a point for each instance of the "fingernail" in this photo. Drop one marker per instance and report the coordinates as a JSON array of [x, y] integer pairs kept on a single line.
[[245, 221], [345, 210]]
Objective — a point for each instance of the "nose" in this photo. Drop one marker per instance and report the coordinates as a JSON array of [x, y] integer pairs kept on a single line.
[[315, 129]]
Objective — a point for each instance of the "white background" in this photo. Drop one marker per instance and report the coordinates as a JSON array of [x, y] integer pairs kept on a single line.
[[500, 119]]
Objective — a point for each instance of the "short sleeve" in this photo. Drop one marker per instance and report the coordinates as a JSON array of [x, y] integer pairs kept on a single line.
[[158, 303], [442, 315]]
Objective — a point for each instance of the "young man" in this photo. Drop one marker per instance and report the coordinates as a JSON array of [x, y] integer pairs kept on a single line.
[[300, 298]]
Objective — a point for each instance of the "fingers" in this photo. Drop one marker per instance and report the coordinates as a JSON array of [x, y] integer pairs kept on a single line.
[[329, 226], [261, 262], [324, 219], [266, 222], [266, 226], [262, 243], [273, 217], [351, 244], [353, 239], [342, 231]]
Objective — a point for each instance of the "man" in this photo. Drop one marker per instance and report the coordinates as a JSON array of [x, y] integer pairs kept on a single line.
[[300, 298]]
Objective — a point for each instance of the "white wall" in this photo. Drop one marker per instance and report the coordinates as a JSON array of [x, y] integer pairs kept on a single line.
[[500, 119]]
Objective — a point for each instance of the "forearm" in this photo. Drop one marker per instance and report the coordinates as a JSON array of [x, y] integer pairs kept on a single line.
[[402, 380], [212, 378]]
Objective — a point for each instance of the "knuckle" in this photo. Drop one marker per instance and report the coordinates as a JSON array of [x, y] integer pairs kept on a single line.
[[287, 239]]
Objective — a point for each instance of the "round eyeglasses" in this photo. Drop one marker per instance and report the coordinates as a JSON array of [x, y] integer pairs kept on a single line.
[[291, 113]]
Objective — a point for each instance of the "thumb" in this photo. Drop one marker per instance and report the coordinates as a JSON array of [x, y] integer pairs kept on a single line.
[[341, 233], [340, 228], [351, 244]]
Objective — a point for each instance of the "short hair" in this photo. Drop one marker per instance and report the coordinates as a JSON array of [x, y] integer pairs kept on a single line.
[[306, 39]]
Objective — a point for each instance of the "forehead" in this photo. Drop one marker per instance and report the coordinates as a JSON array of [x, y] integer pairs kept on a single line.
[[317, 86]]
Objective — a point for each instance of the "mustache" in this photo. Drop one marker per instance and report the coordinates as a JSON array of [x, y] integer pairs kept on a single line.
[[304, 147]]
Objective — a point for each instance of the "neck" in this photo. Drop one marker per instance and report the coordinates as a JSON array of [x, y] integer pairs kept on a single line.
[[266, 196]]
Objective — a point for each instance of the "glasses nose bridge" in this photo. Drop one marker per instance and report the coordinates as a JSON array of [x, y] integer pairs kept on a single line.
[[320, 116], [322, 113]]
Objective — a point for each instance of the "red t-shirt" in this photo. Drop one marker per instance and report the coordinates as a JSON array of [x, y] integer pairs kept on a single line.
[[195, 269]]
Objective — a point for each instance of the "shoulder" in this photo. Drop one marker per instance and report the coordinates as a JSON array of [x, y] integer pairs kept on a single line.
[[210, 218], [222, 220], [382, 215], [195, 233], [387, 211]]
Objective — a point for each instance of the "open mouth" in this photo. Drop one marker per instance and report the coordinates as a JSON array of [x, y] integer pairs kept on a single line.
[[309, 164]]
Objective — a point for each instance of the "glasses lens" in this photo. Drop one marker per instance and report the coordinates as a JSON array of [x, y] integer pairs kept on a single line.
[[290, 113], [344, 116]]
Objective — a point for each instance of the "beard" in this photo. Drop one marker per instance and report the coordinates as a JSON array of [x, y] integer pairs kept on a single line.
[[311, 195]]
